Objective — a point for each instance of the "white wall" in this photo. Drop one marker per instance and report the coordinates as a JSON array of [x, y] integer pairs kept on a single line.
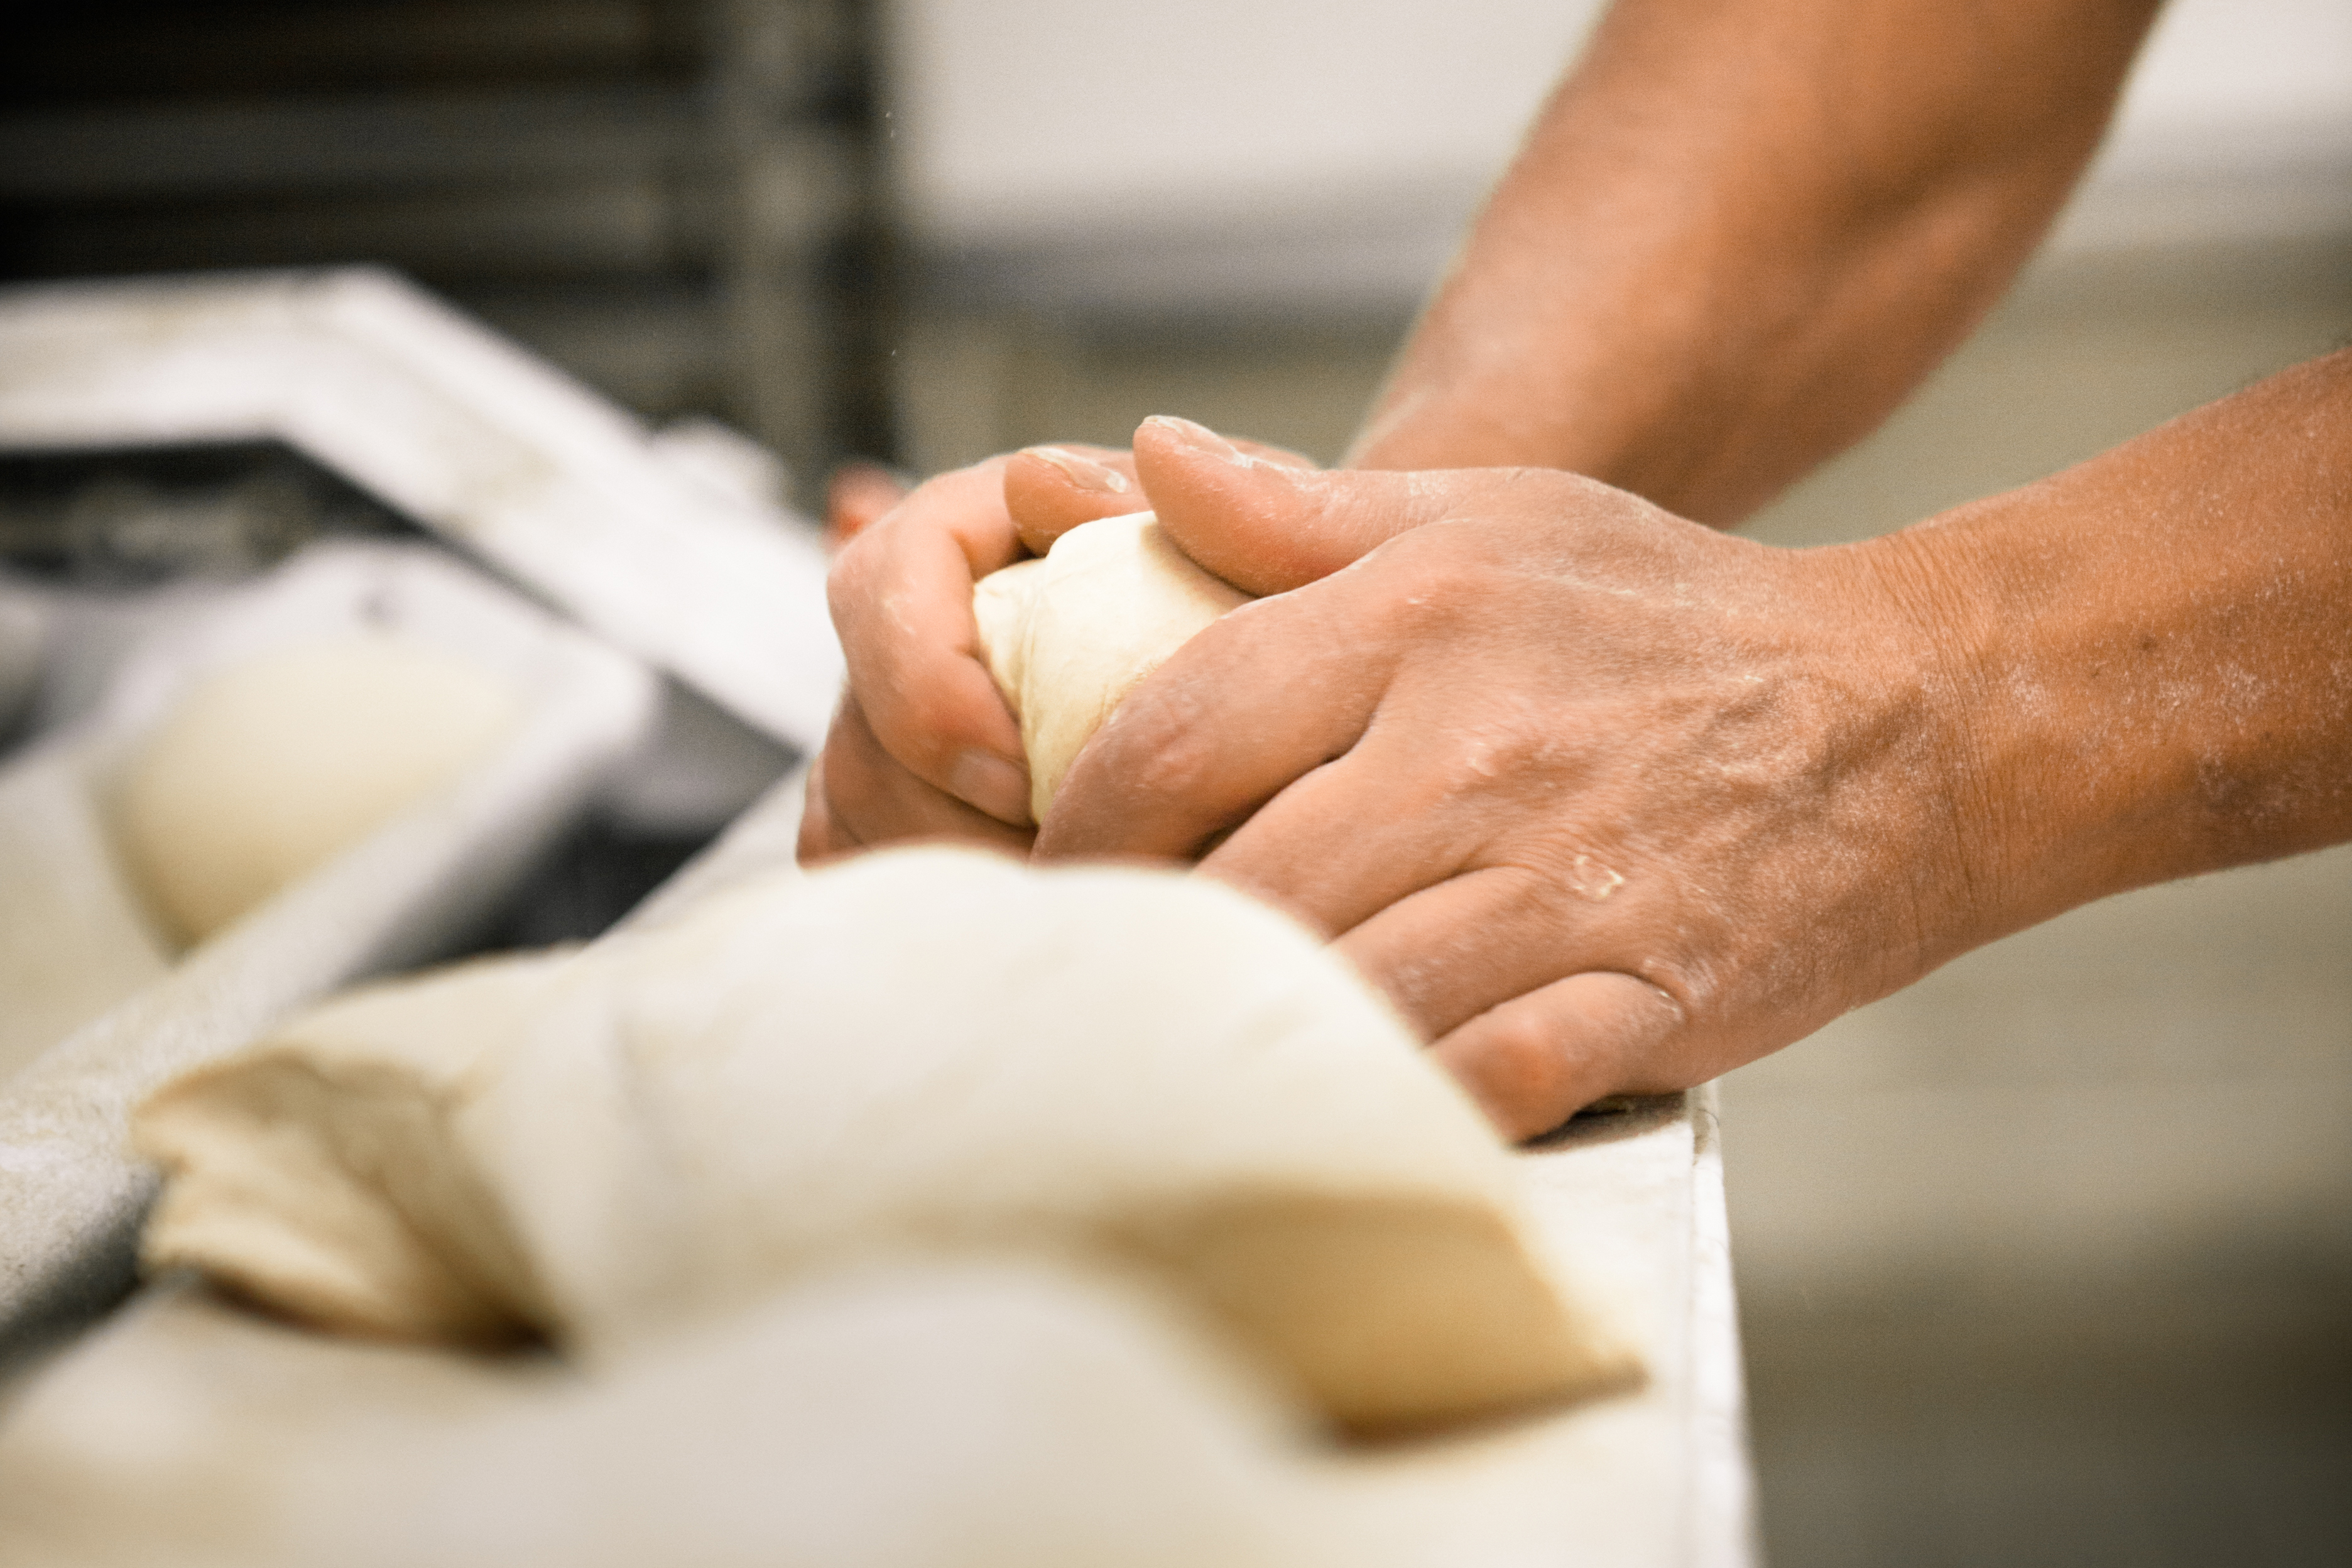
[[1032, 114], [1331, 149]]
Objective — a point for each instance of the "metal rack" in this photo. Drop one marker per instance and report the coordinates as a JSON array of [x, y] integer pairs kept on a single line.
[[668, 198]]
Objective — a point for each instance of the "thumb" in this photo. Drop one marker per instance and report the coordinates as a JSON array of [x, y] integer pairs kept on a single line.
[[1264, 525]]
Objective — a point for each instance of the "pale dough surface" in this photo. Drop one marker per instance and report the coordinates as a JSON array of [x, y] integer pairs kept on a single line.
[[266, 769], [922, 1049], [1070, 635], [321, 1172], [903, 1415]]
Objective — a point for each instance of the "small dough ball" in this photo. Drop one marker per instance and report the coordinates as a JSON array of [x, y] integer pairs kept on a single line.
[[1069, 636], [266, 768]]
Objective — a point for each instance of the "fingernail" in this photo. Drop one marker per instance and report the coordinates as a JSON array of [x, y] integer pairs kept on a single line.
[[998, 787], [1082, 471], [1202, 439]]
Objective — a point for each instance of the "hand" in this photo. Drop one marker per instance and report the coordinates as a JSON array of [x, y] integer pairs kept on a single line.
[[1605, 801], [859, 495], [923, 745]]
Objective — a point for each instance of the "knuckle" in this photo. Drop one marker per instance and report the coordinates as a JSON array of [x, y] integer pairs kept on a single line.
[[1519, 1067], [1485, 752], [1522, 1050], [923, 718], [1420, 605]]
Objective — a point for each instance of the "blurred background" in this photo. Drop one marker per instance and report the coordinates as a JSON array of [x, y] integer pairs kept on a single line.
[[2047, 1260]]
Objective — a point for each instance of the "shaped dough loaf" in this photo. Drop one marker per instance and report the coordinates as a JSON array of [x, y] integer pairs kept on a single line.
[[1069, 636], [265, 769], [922, 1049]]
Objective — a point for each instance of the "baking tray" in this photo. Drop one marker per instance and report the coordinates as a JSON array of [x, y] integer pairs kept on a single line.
[[71, 1194], [636, 533]]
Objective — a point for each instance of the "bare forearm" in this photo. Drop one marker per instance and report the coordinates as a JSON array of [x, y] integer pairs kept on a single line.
[[1743, 230], [2155, 649]]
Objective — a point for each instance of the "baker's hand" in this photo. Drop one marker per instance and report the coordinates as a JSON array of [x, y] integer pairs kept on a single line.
[[1605, 801], [922, 745]]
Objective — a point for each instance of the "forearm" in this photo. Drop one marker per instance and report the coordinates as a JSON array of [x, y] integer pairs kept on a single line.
[[1742, 230], [2151, 653]]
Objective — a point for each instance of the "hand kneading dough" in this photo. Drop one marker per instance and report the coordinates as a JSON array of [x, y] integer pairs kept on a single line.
[[1068, 636], [263, 771], [922, 1049]]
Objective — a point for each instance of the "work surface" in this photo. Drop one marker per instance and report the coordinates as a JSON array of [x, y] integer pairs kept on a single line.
[[165, 1427]]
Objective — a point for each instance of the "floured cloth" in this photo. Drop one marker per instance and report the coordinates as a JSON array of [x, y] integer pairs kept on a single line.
[[896, 1416]]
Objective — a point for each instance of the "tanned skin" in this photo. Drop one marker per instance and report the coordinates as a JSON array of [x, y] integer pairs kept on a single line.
[[1604, 799]]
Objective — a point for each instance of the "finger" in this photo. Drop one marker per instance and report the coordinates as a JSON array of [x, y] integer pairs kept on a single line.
[[1344, 841], [1256, 699], [820, 839], [901, 600], [1273, 453], [1448, 951], [870, 799], [1267, 526], [1534, 1061], [856, 497], [1049, 490]]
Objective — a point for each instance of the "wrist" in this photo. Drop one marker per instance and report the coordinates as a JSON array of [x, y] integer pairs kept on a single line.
[[2066, 752], [2045, 797]]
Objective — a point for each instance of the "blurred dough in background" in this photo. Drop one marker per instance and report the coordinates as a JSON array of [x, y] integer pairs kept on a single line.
[[267, 768]]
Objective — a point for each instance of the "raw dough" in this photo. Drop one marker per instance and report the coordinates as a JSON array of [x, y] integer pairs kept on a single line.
[[266, 768], [319, 1175], [922, 1049], [1068, 636]]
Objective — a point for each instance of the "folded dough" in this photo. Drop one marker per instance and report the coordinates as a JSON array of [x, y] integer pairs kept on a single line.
[[266, 769], [1068, 636], [323, 1173], [926, 1049]]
